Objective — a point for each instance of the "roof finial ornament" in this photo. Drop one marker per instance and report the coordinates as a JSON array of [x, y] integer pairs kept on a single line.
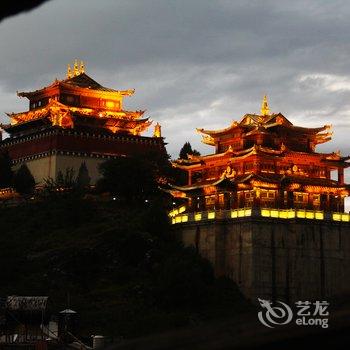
[[76, 68], [265, 110], [69, 71], [82, 67], [157, 130]]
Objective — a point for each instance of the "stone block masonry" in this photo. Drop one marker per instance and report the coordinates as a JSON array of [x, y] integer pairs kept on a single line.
[[271, 258]]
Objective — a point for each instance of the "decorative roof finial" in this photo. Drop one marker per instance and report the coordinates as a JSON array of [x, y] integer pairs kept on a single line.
[[69, 71], [76, 68], [157, 130], [265, 110], [82, 67]]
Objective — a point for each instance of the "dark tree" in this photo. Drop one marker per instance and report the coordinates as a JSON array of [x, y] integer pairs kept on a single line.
[[83, 178], [24, 182], [6, 173], [160, 165], [65, 182], [59, 179], [129, 178], [186, 150]]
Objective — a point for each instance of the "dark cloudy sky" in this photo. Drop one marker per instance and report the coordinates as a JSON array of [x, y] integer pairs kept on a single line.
[[193, 63]]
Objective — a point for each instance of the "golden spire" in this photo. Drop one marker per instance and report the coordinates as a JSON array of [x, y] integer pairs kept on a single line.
[[265, 110], [157, 130], [76, 68], [69, 71], [82, 67]]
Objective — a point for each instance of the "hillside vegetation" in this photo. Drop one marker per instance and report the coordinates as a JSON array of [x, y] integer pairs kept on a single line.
[[113, 259], [117, 264]]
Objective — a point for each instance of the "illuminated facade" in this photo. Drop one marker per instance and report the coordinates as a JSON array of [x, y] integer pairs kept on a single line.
[[76, 120], [265, 210], [264, 161]]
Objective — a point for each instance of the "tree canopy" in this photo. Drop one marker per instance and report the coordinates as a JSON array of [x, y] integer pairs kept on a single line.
[[137, 177], [128, 178], [186, 150], [125, 272], [24, 182], [83, 179]]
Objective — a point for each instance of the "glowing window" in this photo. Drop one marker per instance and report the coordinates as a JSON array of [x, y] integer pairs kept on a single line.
[[211, 215], [198, 217], [316, 197], [110, 104], [210, 200], [300, 197]]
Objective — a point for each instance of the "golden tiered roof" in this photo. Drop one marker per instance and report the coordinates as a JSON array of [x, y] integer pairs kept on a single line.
[[76, 101], [265, 123]]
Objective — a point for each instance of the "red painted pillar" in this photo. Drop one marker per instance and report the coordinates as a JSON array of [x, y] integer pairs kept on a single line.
[[190, 177], [341, 176]]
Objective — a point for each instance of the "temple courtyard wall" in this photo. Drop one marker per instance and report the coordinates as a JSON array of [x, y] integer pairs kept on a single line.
[[278, 259], [49, 166], [48, 152]]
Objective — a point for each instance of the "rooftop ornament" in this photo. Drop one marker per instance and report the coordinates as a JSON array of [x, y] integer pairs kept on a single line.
[[265, 110], [77, 69]]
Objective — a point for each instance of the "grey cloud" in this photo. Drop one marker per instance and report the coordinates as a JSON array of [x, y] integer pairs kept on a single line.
[[193, 63]]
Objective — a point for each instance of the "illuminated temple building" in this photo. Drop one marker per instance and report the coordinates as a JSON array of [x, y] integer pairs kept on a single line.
[[76, 120], [267, 210], [264, 161]]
